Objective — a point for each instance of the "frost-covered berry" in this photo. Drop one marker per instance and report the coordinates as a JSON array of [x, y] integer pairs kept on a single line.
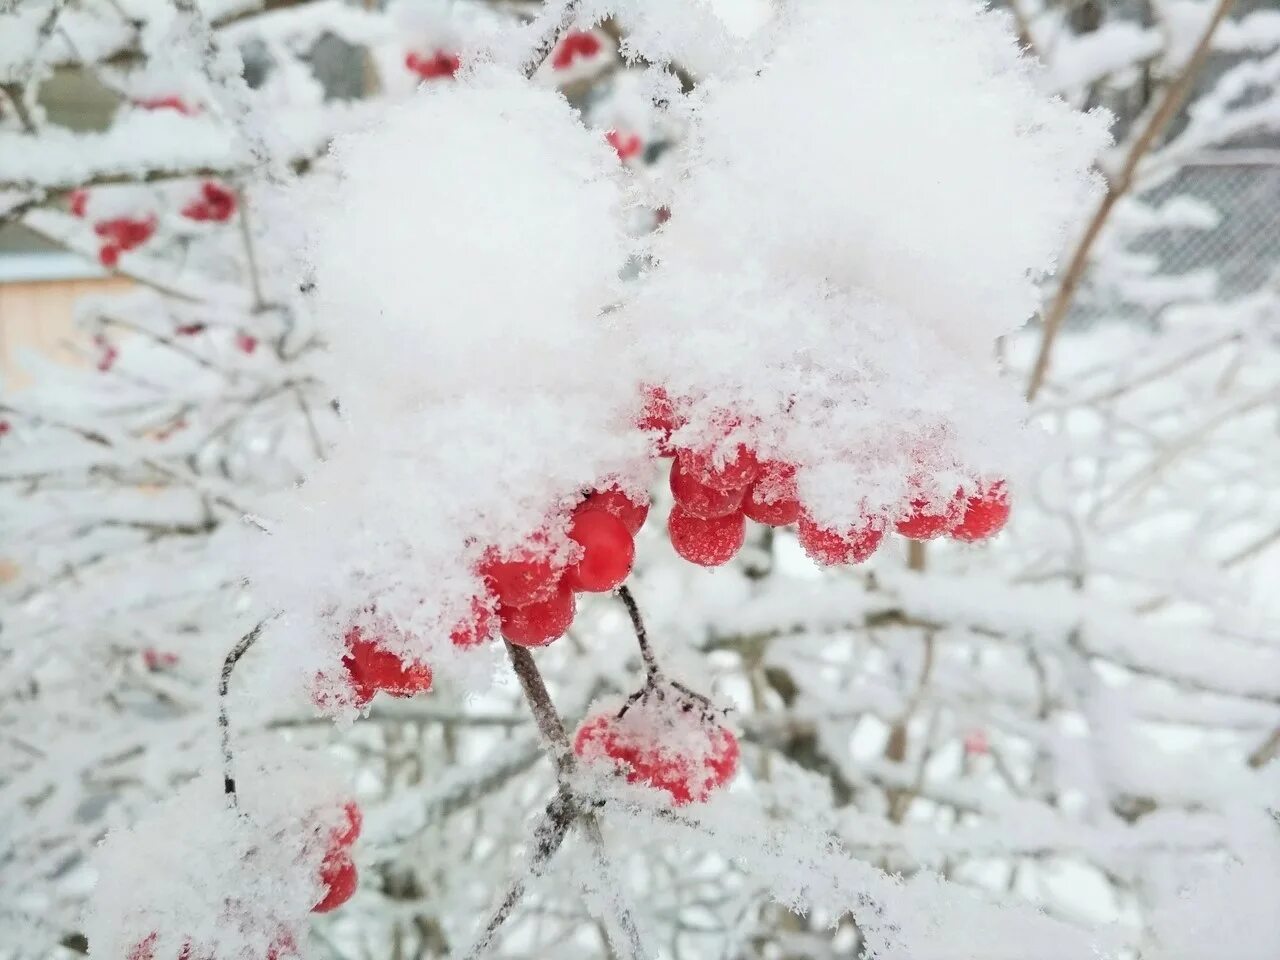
[[523, 575], [373, 669], [985, 514], [537, 624], [659, 418], [698, 499], [339, 877], [576, 44], [626, 145], [347, 834], [613, 500], [682, 752], [479, 627], [708, 543], [727, 475], [772, 498], [925, 520], [440, 65], [607, 551], [835, 547], [127, 233], [216, 203], [78, 202]]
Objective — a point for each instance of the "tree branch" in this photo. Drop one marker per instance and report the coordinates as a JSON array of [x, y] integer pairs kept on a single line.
[[1117, 188]]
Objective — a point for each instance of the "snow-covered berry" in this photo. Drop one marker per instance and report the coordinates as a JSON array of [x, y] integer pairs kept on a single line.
[[985, 514], [698, 499], [523, 575], [835, 547], [612, 500], [708, 543], [537, 624]]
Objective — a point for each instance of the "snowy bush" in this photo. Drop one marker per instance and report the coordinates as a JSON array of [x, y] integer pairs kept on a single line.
[[577, 301]]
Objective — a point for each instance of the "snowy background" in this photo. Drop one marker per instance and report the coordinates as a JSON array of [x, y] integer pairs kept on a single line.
[[394, 284]]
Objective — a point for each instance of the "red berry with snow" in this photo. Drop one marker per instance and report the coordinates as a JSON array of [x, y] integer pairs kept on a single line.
[[708, 543], [78, 202], [440, 65], [479, 627], [523, 575], [612, 500], [371, 669], [607, 551], [659, 418], [680, 751], [700, 500], [833, 547], [985, 514], [733, 474], [926, 519], [626, 145], [109, 255], [215, 203], [347, 834], [537, 624], [772, 498], [339, 877], [576, 44]]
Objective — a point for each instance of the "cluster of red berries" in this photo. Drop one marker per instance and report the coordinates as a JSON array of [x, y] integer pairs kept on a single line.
[[338, 878], [121, 234], [715, 497], [577, 44], [440, 65], [665, 737], [626, 145], [214, 204]]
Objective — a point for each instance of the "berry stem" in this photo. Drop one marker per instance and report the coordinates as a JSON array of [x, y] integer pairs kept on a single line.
[[224, 723], [565, 806], [642, 637]]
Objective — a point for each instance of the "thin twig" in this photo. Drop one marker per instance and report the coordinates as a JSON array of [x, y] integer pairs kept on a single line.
[[642, 637], [224, 723], [1118, 187]]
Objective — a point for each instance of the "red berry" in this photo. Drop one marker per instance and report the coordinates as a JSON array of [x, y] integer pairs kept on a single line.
[[613, 500], [985, 514], [576, 43], [537, 624], [926, 520], [145, 948], [832, 547], [347, 834], [700, 500], [523, 575], [438, 66], [727, 475], [5, 427], [372, 668], [708, 543], [171, 102], [338, 874], [480, 627], [109, 255], [78, 202], [626, 145], [189, 329], [772, 498], [607, 551], [158, 660], [659, 417], [246, 342], [689, 765]]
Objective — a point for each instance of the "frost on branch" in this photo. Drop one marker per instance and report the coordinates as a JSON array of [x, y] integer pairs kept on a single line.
[[477, 410], [832, 278]]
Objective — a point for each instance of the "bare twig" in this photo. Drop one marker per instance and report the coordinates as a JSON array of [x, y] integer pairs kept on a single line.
[[224, 723], [1118, 187], [642, 637]]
